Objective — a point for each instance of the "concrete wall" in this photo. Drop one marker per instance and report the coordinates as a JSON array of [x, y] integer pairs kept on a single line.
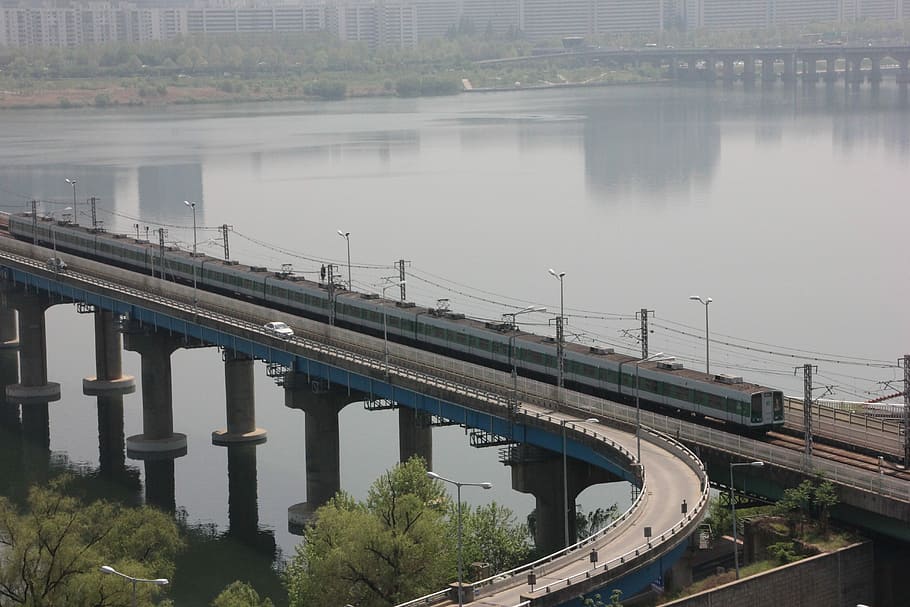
[[843, 578]]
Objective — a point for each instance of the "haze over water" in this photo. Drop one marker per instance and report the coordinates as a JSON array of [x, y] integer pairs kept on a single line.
[[788, 208]]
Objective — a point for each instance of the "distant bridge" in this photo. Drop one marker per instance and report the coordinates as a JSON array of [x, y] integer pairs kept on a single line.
[[853, 64]]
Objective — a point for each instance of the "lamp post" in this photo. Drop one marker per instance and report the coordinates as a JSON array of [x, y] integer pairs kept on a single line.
[[458, 486], [72, 182], [192, 205], [385, 326], [347, 237], [560, 332], [565, 477], [705, 301], [757, 464], [654, 357], [134, 580]]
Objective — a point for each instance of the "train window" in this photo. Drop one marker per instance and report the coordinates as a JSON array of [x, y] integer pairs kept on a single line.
[[778, 400]]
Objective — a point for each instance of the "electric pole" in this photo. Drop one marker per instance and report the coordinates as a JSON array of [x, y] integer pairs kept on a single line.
[[643, 314]]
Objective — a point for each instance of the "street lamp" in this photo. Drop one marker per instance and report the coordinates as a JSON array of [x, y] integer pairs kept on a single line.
[[385, 327], [458, 486], [654, 357], [565, 481], [560, 333], [72, 182], [192, 205], [347, 237], [134, 580], [757, 464], [705, 301]]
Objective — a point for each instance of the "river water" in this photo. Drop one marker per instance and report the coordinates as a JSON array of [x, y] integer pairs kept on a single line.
[[788, 207]]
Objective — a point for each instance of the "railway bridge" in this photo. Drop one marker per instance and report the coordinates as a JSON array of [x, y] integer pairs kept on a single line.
[[337, 364], [634, 550], [850, 63]]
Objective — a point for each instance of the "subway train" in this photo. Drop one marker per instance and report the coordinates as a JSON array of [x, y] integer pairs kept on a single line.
[[592, 370]]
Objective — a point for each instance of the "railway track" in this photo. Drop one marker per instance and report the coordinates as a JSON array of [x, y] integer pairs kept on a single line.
[[863, 461]]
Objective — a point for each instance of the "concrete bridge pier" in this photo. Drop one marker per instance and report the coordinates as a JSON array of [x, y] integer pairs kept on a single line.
[[767, 71], [158, 438], [543, 479], [854, 72], [159, 482], [728, 74], [111, 440], [109, 377], [240, 402], [903, 73], [810, 71], [875, 75], [321, 406], [9, 330], [33, 386], [415, 436], [789, 74], [749, 69], [830, 69]]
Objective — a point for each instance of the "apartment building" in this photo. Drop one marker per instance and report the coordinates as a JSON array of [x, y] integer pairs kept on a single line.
[[404, 23]]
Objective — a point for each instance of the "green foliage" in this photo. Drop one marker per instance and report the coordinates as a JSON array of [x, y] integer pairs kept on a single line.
[[53, 550], [808, 500], [102, 100], [491, 535], [240, 594], [784, 552], [588, 524], [382, 552], [597, 601], [400, 543], [326, 89], [415, 86]]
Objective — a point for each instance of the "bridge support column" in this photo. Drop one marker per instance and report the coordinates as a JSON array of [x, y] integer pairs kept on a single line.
[[830, 69], [789, 74], [33, 386], [903, 73], [323, 466], [109, 377], [854, 72], [240, 402], [875, 76], [543, 479], [9, 331], [728, 74], [749, 69], [111, 443], [158, 437], [810, 70], [415, 435], [767, 70]]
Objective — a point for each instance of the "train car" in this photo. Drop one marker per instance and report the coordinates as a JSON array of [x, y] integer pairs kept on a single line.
[[593, 370]]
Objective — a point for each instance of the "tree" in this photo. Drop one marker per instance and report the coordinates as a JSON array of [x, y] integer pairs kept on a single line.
[[240, 594], [53, 550], [491, 535], [382, 552], [597, 601]]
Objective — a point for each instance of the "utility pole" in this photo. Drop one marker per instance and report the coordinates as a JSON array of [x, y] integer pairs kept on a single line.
[[807, 408], [643, 314], [93, 200], [35, 221], [224, 236], [161, 234], [331, 286], [400, 264], [906, 410]]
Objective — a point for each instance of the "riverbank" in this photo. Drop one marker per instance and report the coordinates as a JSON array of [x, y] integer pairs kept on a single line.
[[186, 89]]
